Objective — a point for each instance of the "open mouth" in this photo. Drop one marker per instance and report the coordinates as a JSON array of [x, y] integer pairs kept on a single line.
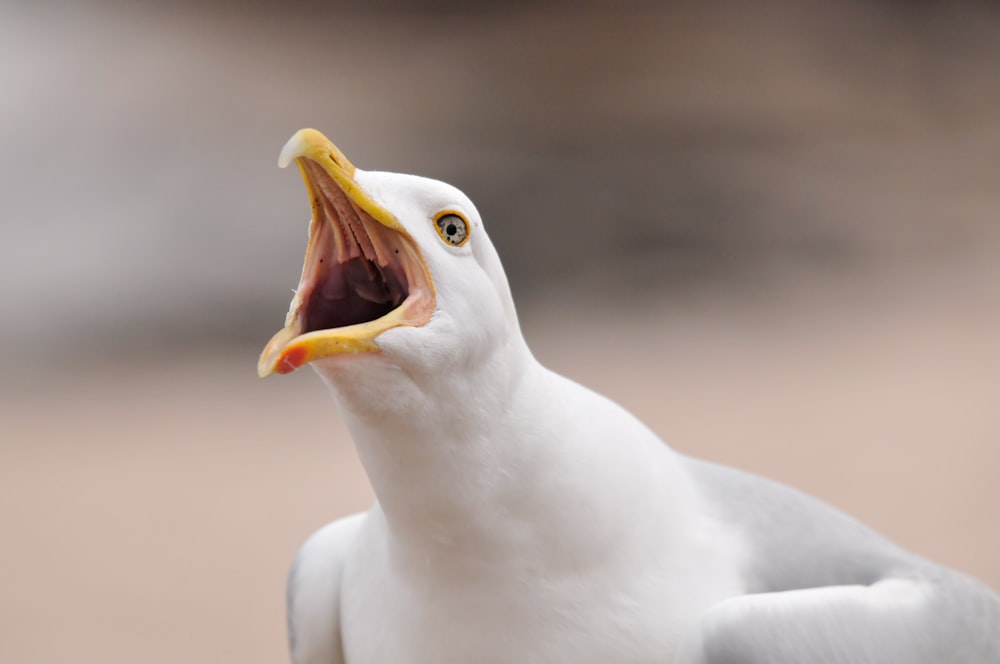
[[363, 274], [356, 269]]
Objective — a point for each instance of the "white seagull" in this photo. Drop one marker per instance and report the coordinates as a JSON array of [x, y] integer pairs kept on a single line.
[[522, 518]]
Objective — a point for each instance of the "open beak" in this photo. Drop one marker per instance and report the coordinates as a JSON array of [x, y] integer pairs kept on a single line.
[[363, 273]]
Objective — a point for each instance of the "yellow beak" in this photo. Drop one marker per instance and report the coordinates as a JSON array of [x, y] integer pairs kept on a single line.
[[350, 234]]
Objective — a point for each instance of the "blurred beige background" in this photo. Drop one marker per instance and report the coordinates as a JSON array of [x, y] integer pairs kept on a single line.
[[785, 220]]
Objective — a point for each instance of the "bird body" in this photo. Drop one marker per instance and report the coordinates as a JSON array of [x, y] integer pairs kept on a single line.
[[521, 517], [495, 557]]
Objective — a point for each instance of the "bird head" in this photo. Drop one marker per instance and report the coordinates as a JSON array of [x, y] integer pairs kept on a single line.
[[398, 272]]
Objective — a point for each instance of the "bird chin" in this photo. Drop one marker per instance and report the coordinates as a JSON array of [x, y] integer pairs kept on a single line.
[[363, 273]]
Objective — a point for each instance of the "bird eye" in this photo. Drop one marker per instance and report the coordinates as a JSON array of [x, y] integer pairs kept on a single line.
[[453, 229]]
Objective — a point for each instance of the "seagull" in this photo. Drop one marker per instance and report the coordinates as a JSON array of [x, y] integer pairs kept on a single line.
[[521, 517]]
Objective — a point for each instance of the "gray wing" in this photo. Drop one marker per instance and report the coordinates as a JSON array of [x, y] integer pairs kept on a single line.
[[314, 593], [825, 589]]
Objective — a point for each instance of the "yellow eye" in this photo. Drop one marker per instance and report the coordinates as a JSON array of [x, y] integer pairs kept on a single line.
[[453, 229]]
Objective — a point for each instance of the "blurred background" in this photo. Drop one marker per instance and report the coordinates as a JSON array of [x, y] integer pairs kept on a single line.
[[786, 214]]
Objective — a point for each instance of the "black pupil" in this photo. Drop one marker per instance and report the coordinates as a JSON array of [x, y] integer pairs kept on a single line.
[[451, 229]]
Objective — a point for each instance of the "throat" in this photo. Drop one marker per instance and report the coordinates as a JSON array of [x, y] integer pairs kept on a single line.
[[454, 463], [472, 473], [356, 291]]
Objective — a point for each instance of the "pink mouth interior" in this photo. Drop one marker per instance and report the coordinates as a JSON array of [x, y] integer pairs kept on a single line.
[[356, 291], [355, 268]]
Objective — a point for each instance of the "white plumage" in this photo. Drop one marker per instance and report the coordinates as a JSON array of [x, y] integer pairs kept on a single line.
[[523, 518]]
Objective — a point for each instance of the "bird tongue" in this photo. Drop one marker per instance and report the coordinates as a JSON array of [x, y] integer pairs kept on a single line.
[[369, 282], [357, 290]]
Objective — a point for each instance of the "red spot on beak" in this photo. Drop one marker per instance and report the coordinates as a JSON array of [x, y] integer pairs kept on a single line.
[[292, 359]]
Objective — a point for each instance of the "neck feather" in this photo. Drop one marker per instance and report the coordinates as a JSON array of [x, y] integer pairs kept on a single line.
[[480, 462]]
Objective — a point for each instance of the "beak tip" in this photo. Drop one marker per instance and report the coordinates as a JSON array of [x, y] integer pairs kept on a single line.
[[291, 150], [302, 143]]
